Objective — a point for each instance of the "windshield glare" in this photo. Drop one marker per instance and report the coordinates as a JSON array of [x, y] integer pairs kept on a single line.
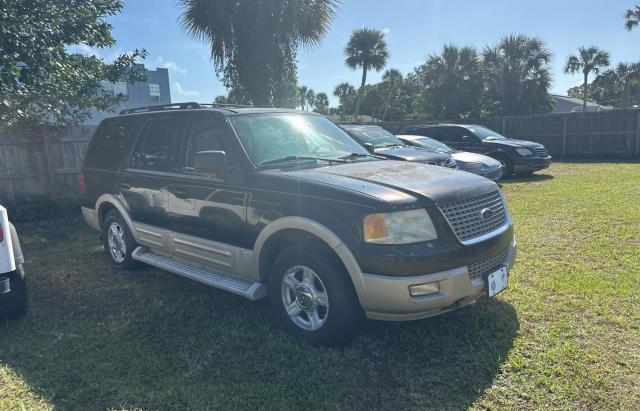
[[268, 137], [431, 144], [486, 134], [379, 137]]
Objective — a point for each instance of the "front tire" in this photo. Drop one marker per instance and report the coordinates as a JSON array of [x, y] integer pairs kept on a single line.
[[507, 165], [13, 305], [118, 241], [313, 297]]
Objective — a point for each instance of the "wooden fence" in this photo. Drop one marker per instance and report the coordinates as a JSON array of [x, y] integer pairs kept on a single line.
[[41, 162], [611, 134]]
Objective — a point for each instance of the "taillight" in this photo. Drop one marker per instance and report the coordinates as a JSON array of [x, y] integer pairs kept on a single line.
[[1, 234], [82, 183]]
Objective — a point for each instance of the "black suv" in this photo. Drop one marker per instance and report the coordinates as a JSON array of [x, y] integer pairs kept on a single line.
[[379, 141], [516, 156], [284, 204]]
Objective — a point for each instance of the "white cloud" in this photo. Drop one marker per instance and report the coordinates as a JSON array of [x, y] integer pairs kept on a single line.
[[178, 90], [169, 64], [386, 30]]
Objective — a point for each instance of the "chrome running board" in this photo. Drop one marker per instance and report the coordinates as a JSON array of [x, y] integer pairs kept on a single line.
[[247, 289]]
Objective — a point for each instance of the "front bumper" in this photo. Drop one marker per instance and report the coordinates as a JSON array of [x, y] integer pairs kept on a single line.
[[528, 165], [387, 298]]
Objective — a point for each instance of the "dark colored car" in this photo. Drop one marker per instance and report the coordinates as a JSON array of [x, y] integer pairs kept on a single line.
[[516, 156], [284, 204], [382, 143], [475, 163]]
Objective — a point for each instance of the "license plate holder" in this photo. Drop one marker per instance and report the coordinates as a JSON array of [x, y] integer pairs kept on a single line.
[[497, 281]]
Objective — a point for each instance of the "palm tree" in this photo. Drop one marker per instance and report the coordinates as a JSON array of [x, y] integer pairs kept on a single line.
[[632, 18], [311, 98], [344, 92], [392, 80], [367, 49], [589, 60], [517, 76], [253, 44], [619, 81], [452, 83], [302, 96], [321, 103]]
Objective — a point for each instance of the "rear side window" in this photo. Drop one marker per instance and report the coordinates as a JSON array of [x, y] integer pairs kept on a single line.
[[155, 151], [110, 143], [433, 132]]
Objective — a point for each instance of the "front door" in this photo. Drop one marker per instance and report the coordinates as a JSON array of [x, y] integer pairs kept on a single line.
[[209, 207]]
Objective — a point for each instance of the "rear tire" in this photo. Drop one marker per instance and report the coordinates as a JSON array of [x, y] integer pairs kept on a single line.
[[13, 305], [118, 241], [313, 298]]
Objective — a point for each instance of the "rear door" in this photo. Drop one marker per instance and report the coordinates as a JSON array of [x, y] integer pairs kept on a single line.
[[460, 138], [151, 170]]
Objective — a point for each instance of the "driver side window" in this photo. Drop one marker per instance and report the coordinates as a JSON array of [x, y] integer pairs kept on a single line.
[[204, 134]]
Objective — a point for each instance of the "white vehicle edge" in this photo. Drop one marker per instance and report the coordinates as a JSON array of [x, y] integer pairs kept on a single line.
[[13, 288]]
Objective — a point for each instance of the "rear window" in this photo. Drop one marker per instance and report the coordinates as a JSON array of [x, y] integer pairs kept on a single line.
[[156, 149], [110, 143]]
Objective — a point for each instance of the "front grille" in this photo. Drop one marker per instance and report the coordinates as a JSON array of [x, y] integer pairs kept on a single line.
[[494, 175], [466, 217], [487, 265], [540, 151]]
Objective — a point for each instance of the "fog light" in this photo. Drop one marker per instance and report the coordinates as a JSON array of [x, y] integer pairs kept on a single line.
[[424, 289]]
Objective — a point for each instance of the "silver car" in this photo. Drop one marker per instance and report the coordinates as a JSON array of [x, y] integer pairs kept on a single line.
[[466, 161]]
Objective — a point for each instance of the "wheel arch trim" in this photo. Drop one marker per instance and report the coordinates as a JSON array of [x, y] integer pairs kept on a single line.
[[113, 201], [322, 233]]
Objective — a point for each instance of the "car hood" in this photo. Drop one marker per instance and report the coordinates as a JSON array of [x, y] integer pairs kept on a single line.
[[516, 143], [406, 153], [392, 181], [468, 157]]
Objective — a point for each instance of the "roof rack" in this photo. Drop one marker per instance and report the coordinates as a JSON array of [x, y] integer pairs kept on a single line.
[[162, 107], [186, 106]]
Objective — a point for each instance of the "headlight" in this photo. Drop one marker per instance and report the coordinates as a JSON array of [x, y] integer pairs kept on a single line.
[[524, 152], [402, 227]]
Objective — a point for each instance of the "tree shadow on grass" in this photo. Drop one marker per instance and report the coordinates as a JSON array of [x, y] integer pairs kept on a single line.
[[98, 338]]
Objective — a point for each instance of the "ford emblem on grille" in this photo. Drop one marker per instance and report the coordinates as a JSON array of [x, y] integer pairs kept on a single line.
[[486, 213]]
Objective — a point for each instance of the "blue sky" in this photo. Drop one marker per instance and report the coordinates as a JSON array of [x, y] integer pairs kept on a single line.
[[415, 29]]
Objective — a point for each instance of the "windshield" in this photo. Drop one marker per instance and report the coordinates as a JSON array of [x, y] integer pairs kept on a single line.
[[432, 144], [377, 136], [269, 137], [486, 134]]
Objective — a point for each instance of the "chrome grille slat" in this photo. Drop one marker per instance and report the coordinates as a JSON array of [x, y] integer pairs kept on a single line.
[[482, 267], [540, 151], [465, 216]]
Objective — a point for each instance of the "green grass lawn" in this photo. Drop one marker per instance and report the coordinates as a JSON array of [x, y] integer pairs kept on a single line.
[[566, 334]]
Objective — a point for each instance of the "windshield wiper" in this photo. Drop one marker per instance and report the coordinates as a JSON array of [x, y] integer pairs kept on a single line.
[[296, 158], [353, 156], [390, 145]]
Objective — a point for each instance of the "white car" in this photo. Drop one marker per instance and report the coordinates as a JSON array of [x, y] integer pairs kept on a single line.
[[13, 287]]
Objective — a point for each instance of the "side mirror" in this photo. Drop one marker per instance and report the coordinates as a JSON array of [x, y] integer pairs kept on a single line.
[[211, 162], [370, 148]]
